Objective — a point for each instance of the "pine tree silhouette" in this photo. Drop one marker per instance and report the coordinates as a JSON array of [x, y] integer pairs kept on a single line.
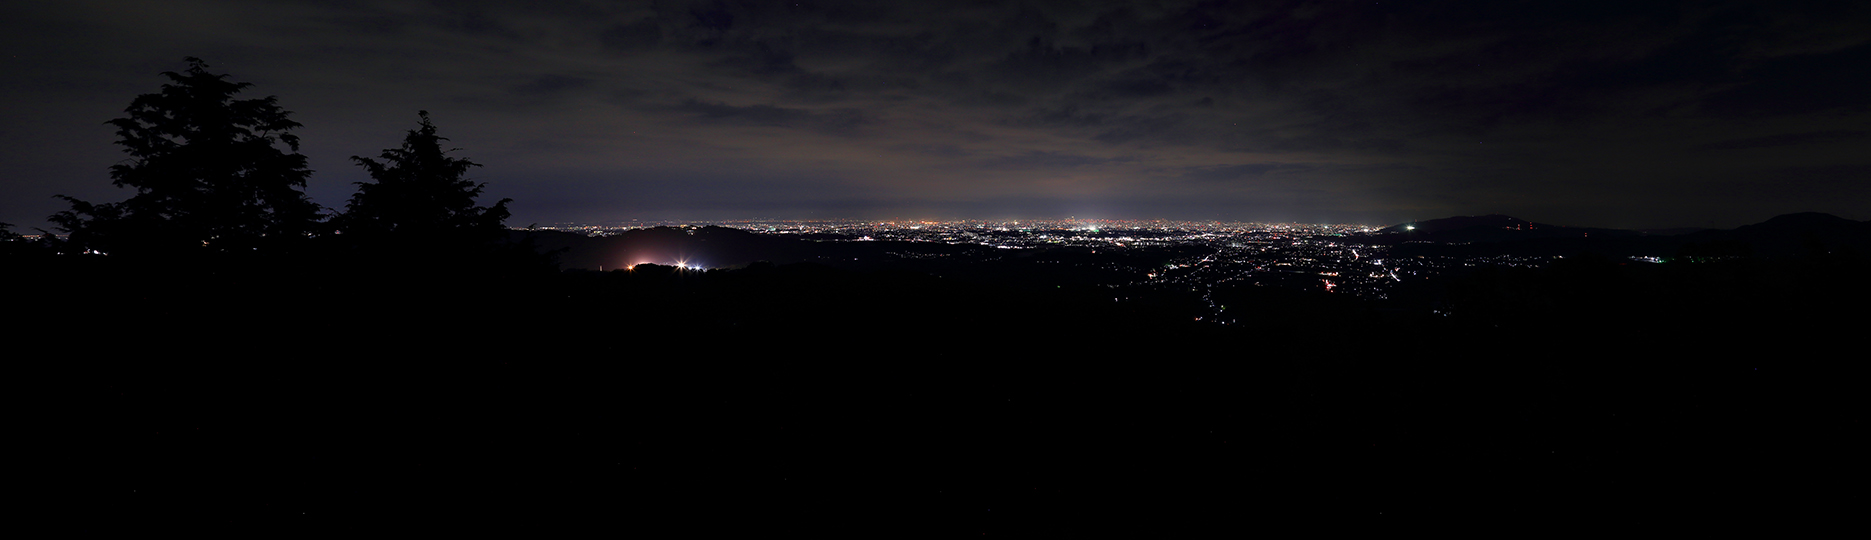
[[421, 194], [209, 173]]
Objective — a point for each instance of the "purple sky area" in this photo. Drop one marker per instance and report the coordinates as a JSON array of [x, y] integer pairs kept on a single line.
[[1589, 113]]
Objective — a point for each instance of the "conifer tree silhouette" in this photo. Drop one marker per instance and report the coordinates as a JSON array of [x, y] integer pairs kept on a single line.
[[421, 194], [209, 173]]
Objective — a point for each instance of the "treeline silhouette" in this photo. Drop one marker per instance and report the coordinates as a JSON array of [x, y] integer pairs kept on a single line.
[[220, 231], [219, 180], [232, 358]]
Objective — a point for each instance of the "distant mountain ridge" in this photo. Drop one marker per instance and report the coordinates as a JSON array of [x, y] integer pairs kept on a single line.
[[1794, 235], [1790, 235], [1456, 223], [1491, 228], [713, 247]]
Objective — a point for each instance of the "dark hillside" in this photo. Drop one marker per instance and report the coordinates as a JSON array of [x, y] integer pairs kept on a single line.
[[235, 394]]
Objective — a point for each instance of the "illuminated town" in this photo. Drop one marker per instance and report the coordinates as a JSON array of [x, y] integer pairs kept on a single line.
[[1143, 258]]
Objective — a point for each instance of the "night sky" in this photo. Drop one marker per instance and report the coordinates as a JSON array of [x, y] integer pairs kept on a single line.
[[1587, 113]]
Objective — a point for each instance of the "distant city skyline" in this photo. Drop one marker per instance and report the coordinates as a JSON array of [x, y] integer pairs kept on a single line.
[[1591, 114]]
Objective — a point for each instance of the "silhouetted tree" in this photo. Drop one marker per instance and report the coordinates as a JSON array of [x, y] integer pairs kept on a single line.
[[208, 171], [11, 244], [421, 194]]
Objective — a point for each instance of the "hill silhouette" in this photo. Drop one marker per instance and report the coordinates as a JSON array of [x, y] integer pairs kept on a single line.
[[1489, 228], [1456, 223], [716, 247], [879, 387], [1785, 236]]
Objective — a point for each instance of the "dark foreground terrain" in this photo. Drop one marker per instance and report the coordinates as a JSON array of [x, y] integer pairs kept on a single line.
[[777, 398]]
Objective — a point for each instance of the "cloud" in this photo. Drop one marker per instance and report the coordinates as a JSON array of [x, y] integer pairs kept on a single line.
[[1786, 139], [1244, 171], [945, 151], [1040, 159], [552, 84], [637, 36], [842, 121]]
